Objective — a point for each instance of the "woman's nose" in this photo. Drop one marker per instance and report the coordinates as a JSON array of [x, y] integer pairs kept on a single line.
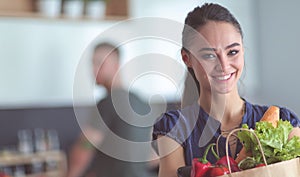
[[223, 63]]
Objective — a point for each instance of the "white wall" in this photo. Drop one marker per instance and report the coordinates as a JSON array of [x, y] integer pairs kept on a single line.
[[38, 59], [279, 27]]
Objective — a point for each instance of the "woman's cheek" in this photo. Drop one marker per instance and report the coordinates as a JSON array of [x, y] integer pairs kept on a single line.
[[239, 65]]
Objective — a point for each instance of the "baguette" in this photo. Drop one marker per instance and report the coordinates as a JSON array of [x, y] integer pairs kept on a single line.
[[272, 116]]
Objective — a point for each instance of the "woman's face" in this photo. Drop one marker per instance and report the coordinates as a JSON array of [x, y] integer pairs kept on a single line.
[[218, 63]]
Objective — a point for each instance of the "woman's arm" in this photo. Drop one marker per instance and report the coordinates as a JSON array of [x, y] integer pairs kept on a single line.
[[171, 156]]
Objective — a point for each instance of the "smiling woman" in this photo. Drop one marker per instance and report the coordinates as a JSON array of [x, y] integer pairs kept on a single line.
[[213, 51]]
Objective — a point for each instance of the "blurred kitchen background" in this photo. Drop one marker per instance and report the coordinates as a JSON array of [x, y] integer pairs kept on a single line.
[[40, 50], [39, 56]]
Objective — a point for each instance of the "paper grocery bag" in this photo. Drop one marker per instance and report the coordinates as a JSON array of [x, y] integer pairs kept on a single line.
[[289, 168]]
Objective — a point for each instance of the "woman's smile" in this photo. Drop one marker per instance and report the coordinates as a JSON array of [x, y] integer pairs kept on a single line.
[[225, 77], [223, 83]]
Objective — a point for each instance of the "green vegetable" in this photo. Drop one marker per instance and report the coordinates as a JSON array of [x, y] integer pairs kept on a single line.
[[274, 142]]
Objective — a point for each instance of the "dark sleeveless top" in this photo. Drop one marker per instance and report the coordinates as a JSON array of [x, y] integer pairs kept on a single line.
[[194, 129]]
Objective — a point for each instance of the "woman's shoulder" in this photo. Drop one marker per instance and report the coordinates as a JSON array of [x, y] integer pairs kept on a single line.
[[288, 114], [256, 111], [184, 114], [176, 124], [177, 117], [169, 118], [263, 108]]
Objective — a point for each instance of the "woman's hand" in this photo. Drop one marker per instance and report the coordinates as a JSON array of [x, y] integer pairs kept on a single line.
[[294, 132]]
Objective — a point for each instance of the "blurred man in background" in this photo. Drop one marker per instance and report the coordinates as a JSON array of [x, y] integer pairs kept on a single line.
[[88, 161]]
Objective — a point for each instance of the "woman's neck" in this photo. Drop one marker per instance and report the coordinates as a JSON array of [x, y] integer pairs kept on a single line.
[[223, 107]]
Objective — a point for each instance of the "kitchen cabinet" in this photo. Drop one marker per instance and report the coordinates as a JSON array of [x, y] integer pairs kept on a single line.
[[114, 10]]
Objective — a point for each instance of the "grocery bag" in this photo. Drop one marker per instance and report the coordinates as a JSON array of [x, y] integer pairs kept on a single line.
[[289, 168]]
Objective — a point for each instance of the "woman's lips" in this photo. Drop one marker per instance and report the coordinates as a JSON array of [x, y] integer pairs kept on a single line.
[[224, 77]]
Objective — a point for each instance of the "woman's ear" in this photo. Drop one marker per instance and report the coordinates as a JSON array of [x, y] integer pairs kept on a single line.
[[186, 58]]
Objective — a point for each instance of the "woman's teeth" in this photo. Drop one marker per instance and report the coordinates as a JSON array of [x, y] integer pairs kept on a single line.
[[222, 78]]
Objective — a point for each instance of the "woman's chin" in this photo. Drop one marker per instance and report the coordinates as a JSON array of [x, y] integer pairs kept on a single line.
[[222, 90]]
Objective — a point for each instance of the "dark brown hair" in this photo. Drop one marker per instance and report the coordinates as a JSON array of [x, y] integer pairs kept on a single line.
[[208, 12]]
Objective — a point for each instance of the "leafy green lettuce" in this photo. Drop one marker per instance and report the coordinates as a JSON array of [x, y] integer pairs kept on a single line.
[[274, 141]]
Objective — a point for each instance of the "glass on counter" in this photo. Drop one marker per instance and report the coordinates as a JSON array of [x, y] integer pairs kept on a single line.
[[40, 140], [52, 140], [25, 141]]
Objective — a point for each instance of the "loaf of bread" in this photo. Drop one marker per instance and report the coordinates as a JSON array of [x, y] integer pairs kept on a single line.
[[271, 115]]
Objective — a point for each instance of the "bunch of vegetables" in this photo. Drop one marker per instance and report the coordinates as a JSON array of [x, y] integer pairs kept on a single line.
[[275, 142]]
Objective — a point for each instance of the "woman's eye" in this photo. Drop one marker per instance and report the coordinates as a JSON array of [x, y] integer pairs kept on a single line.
[[208, 56], [233, 52]]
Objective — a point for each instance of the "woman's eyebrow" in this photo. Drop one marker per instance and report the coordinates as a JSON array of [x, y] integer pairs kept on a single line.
[[232, 45], [207, 49], [213, 49]]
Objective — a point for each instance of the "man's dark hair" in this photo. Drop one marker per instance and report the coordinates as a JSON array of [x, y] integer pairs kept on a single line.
[[108, 45]]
